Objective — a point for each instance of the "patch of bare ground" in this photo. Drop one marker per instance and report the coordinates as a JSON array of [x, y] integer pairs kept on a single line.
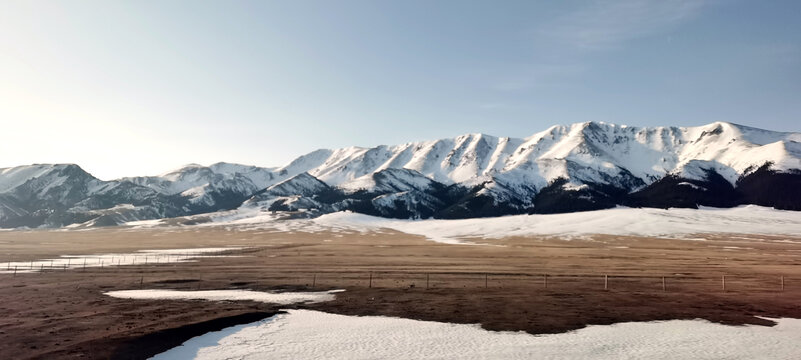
[[598, 280]]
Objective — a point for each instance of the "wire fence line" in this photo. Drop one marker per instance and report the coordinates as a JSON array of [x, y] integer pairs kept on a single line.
[[160, 274], [157, 266], [84, 262], [546, 281]]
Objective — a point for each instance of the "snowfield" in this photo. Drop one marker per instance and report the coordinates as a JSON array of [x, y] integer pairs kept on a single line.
[[619, 221], [305, 334], [672, 223]]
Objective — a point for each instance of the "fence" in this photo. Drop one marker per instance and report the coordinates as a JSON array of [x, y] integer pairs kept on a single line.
[[82, 262], [152, 267], [548, 282]]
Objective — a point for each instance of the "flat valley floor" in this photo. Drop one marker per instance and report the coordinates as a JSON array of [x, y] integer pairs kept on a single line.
[[534, 284]]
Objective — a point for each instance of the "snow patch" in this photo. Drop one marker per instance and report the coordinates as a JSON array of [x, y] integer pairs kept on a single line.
[[281, 298], [306, 334], [696, 187]]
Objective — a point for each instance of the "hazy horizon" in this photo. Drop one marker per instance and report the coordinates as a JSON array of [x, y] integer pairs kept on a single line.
[[141, 88]]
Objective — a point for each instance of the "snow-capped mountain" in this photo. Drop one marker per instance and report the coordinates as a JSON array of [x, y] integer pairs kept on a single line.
[[209, 188], [576, 167], [63, 194], [592, 152]]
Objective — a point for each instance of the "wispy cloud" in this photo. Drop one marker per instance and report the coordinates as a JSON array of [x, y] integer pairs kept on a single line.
[[605, 24]]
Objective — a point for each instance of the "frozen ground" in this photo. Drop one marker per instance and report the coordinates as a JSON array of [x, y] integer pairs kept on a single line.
[[305, 334], [282, 298], [65, 262]]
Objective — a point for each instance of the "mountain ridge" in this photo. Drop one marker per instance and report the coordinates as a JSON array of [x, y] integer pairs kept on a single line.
[[582, 166]]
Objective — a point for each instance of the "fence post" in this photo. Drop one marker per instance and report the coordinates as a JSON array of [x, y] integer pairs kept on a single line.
[[370, 285], [663, 284], [606, 282], [782, 282], [723, 280], [545, 280]]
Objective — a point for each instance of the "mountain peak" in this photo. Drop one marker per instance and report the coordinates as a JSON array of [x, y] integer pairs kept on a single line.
[[12, 177]]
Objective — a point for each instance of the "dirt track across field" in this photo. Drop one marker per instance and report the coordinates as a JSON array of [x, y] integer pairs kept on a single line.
[[64, 314]]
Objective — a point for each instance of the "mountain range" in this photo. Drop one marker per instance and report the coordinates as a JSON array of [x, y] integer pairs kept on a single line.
[[578, 167]]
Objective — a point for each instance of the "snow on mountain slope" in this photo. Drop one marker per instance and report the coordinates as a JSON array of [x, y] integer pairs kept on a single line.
[[305, 163], [259, 176], [733, 149], [208, 188], [49, 175], [583, 152], [390, 180], [296, 191], [194, 176], [302, 184], [62, 194]]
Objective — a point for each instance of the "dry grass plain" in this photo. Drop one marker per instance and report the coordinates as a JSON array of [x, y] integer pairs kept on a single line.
[[64, 314]]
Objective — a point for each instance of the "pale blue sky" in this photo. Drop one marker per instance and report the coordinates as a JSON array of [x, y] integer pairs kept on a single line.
[[141, 87]]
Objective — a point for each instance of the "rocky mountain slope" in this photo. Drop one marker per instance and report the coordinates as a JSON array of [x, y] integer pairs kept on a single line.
[[583, 166]]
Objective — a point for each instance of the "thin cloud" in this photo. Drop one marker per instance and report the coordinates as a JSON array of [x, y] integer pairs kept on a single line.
[[605, 24]]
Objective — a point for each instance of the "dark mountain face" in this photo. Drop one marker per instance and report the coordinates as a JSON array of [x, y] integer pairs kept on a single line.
[[674, 191], [781, 190], [488, 199], [559, 198], [41, 200]]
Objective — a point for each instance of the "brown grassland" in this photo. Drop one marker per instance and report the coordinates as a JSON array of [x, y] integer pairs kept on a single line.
[[64, 314]]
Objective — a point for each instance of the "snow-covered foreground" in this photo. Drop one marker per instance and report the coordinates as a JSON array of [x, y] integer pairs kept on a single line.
[[282, 298], [141, 257], [305, 334]]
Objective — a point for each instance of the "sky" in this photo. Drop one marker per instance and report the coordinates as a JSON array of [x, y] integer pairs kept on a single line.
[[127, 88]]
